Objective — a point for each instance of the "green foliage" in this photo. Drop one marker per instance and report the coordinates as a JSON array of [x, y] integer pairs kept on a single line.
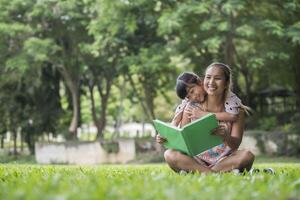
[[143, 182], [19, 63], [40, 50], [293, 33], [268, 123], [212, 44], [15, 30], [293, 127], [274, 28]]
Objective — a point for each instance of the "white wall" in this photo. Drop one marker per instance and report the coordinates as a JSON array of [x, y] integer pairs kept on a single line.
[[83, 153]]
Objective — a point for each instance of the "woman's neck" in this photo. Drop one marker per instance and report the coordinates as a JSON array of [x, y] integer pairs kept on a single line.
[[215, 104]]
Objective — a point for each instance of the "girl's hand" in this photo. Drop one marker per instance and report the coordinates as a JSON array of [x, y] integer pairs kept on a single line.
[[194, 112], [160, 139]]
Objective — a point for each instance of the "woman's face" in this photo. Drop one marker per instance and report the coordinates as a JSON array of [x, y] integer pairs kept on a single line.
[[214, 81]]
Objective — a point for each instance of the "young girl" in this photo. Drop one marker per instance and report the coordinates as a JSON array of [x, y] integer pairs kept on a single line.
[[189, 87]]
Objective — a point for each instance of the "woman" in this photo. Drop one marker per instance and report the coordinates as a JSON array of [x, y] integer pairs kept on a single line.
[[217, 83]]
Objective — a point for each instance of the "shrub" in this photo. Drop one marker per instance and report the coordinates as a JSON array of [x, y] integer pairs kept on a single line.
[[268, 123]]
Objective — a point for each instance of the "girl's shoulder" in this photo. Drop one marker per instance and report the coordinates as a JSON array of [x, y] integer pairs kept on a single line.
[[232, 103], [232, 96], [182, 105]]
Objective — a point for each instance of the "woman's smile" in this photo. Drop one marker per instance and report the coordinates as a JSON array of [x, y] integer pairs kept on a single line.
[[214, 81], [212, 88]]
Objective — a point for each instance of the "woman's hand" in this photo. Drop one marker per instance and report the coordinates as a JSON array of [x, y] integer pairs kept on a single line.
[[221, 130], [160, 139], [194, 112]]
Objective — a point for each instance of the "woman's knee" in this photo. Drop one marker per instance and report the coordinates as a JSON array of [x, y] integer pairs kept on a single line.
[[247, 157], [171, 156]]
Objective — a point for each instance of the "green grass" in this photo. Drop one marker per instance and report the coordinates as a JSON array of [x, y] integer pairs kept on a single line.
[[143, 182], [276, 159], [18, 159]]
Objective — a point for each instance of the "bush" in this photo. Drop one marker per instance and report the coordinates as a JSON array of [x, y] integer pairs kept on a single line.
[[295, 125], [110, 146], [268, 123]]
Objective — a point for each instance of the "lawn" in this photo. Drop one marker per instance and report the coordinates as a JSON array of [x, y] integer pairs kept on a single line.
[[144, 182]]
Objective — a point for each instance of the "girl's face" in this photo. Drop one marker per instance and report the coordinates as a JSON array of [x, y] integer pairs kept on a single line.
[[196, 93], [214, 81]]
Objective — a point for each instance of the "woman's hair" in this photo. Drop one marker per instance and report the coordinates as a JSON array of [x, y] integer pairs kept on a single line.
[[184, 82], [228, 81]]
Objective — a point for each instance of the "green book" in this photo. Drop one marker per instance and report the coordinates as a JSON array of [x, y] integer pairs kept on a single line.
[[193, 138]]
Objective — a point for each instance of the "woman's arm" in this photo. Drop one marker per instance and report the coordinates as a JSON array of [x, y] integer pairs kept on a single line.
[[234, 138]]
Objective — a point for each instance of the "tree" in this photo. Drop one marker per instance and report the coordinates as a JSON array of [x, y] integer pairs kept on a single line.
[[64, 22], [147, 58], [238, 33], [13, 33]]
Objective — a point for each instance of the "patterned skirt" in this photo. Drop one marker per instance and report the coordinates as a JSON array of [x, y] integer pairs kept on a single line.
[[214, 155]]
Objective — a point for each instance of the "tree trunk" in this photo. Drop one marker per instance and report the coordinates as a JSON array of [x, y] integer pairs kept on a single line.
[[73, 86], [248, 82], [101, 123], [22, 144], [75, 118], [248, 95], [149, 100], [120, 109], [2, 142], [93, 106], [94, 112], [141, 101], [30, 140], [14, 133], [229, 53]]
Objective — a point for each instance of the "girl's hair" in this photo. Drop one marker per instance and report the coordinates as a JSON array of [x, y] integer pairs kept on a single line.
[[228, 81], [184, 82]]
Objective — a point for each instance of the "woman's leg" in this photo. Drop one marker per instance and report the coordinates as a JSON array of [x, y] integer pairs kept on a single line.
[[240, 159], [178, 161]]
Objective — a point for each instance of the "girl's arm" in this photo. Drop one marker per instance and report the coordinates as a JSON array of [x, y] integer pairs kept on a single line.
[[221, 116], [225, 116], [185, 119], [186, 115], [177, 119]]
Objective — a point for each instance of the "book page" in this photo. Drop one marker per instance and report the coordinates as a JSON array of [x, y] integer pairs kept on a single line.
[[197, 135], [172, 134]]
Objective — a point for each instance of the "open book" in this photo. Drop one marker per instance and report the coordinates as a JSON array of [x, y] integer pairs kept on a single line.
[[193, 138]]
